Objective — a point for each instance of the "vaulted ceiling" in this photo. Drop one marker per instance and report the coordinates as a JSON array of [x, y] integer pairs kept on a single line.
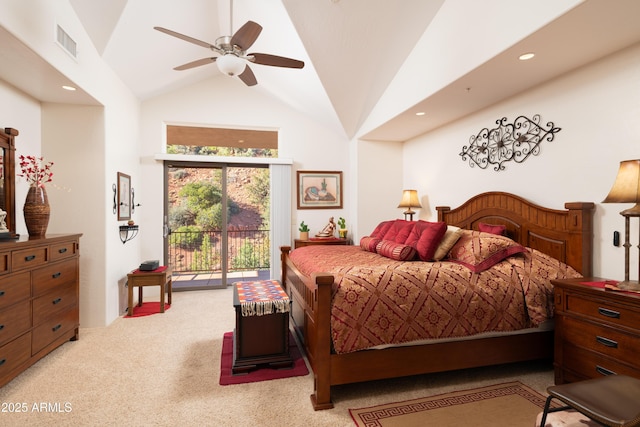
[[352, 51]]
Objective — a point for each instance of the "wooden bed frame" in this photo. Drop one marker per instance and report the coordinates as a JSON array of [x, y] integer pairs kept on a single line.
[[564, 234]]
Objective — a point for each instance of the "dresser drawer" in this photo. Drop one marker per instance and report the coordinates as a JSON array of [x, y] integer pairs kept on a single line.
[[14, 354], [594, 365], [59, 274], [5, 262], [29, 258], [63, 250], [54, 302], [14, 288], [54, 328], [602, 311], [14, 321], [602, 339]]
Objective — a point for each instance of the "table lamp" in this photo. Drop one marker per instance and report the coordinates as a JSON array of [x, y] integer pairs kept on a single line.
[[626, 189], [409, 200]]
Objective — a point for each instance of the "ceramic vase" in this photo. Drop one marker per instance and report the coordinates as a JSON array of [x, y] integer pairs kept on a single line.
[[304, 235], [36, 211]]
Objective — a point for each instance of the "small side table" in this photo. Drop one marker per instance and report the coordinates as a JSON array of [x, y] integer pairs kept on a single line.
[[261, 336], [161, 276], [297, 243]]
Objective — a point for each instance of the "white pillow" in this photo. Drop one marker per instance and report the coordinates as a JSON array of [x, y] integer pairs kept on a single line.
[[449, 239]]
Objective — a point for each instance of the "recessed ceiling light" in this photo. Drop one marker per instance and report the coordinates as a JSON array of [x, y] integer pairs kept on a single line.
[[420, 113], [71, 88], [526, 56]]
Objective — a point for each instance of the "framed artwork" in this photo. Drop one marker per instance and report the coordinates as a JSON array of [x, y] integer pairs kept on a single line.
[[124, 197], [319, 190]]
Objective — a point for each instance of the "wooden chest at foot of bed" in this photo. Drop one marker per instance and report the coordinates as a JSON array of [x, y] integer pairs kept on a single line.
[[261, 336]]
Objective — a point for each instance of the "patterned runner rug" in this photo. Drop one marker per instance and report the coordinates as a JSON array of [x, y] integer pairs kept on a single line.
[[509, 404]]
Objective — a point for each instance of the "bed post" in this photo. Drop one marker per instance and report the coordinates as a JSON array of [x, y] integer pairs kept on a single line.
[[321, 397], [580, 223]]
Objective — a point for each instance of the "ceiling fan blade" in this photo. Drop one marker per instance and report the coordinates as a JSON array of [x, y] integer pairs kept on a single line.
[[248, 77], [275, 61], [246, 35], [193, 64], [186, 38]]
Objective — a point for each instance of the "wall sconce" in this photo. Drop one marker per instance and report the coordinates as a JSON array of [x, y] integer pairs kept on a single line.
[[409, 200], [626, 189], [128, 232]]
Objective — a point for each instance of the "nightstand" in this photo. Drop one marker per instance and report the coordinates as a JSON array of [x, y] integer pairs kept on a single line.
[[597, 331], [297, 243]]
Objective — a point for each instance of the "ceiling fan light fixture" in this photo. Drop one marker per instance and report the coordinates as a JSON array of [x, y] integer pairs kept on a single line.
[[230, 64]]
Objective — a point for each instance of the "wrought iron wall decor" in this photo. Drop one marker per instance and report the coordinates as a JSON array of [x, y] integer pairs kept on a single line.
[[508, 142]]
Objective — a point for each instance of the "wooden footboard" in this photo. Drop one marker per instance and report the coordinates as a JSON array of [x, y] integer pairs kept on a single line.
[[570, 230]]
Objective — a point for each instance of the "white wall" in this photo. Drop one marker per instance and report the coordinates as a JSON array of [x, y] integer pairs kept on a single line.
[[225, 102], [458, 41], [597, 108], [88, 145]]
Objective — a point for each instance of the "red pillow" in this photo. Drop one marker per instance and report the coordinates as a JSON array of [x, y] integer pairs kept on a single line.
[[479, 251], [500, 230], [369, 243], [425, 237], [399, 231], [381, 229], [397, 251]]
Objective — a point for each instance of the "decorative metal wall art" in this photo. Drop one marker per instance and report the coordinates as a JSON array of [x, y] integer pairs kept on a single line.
[[508, 142]]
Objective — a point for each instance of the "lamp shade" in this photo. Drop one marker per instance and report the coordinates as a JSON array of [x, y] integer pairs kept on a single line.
[[231, 64], [409, 199], [626, 188]]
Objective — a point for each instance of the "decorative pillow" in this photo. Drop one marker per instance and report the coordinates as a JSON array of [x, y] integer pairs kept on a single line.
[[479, 251], [382, 228], [500, 230], [451, 236], [397, 251], [425, 237], [369, 243], [399, 231]]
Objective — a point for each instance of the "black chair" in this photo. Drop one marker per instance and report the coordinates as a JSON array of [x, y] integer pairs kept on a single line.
[[612, 400]]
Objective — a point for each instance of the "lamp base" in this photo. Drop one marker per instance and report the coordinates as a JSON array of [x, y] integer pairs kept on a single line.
[[629, 285]]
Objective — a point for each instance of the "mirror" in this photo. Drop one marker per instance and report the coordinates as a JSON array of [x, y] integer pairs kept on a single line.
[[8, 178]]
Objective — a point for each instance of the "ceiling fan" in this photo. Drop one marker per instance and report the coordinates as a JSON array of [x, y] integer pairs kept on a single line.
[[233, 59]]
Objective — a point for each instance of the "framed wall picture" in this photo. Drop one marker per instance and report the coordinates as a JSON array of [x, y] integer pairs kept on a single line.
[[319, 190], [124, 197]]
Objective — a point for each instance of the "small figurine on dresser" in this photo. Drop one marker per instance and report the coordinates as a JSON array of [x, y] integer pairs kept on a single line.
[[328, 230], [4, 231]]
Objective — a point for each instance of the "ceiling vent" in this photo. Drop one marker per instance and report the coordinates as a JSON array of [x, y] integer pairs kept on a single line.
[[67, 43]]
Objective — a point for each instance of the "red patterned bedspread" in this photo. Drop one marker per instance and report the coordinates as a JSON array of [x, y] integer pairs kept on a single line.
[[379, 301]]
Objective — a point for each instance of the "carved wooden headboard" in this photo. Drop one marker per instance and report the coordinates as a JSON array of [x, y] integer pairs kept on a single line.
[[566, 235]]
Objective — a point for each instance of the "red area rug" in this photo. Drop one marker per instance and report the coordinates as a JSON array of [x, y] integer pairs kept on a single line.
[[147, 309], [262, 374]]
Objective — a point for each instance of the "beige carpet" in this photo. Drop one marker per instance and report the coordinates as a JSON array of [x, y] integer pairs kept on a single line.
[[163, 370], [510, 404]]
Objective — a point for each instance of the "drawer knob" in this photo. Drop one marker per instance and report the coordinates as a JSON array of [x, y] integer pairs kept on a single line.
[[62, 250], [604, 371], [56, 275], [55, 328], [29, 257], [1, 293], [2, 361], [56, 301], [609, 313], [607, 342], [1, 327]]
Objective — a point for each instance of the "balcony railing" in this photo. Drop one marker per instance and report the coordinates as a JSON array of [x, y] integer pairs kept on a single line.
[[201, 251]]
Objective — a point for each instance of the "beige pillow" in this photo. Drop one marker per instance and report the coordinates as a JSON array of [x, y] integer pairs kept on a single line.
[[449, 239]]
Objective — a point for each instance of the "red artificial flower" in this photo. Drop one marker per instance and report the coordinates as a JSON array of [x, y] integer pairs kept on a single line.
[[35, 170]]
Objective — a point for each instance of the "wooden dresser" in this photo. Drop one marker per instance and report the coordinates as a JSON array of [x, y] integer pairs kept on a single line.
[[39, 299], [597, 331]]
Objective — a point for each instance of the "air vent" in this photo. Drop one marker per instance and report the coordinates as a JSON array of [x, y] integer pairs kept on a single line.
[[66, 41]]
